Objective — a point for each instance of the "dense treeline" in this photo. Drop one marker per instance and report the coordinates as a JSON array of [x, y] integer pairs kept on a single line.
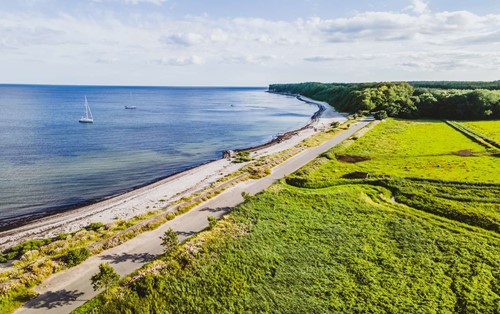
[[401, 99], [456, 84], [458, 104]]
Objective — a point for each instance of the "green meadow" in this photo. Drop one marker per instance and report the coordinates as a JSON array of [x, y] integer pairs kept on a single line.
[[428, 149], [489, 128], [420, 234]]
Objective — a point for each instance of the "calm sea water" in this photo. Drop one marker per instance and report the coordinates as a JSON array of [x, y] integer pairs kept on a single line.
[[49, 162]]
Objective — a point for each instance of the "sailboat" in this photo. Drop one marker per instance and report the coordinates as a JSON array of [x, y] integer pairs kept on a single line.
[[88, 114], [130, 106]]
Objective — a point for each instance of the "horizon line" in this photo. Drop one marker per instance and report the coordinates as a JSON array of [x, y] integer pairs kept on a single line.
[[114, 85]]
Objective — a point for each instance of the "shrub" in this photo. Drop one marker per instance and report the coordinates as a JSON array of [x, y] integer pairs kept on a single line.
[[212, 221], [242, 157], [19, 250], [95, 226], [62, 236], [170, 216], [76, 256], [380, 115], [335, 124], [246, 196]]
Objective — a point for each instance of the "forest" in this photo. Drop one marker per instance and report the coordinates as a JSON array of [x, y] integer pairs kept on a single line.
[[435, 100]]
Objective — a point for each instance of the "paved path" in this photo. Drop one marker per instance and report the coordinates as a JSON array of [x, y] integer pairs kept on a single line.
[[67, 290]]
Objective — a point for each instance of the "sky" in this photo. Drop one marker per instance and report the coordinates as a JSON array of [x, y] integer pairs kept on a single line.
[[246, 43]]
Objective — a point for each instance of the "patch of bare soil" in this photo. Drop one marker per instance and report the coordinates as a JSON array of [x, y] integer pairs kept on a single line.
[[356, 175], [352, 159], [463, 153]]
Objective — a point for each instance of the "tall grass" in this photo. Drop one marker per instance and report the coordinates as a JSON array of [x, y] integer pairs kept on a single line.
[[337, 249]]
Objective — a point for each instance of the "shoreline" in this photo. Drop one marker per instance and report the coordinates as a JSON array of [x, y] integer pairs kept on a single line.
[[151, 195], [283, 136], [59, 210]]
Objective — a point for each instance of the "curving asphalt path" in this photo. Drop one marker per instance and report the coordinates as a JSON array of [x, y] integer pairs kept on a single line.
[[69, 289]]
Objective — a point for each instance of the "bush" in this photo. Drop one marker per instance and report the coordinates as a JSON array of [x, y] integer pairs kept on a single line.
[[335, 124], [212, 221], [62, 236], [246, 196], [242, 157], [95, 226], [76, 256], [20, 249], [380, 115]]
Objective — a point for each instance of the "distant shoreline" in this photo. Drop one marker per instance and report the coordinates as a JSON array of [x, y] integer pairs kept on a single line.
[[288, 134]]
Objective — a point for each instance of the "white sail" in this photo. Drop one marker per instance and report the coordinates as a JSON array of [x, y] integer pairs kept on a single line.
[[88, 118]]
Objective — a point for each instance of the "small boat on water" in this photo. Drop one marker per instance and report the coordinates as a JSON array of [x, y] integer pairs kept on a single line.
[[88, 114], [130, 106]]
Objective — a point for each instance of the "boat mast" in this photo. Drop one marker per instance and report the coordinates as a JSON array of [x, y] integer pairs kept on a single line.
[[88, 113]]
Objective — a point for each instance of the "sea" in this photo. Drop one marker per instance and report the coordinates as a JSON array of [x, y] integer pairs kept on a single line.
[[49, 162]]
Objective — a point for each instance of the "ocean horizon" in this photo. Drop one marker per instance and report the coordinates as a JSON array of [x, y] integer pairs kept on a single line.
[[50, 163]]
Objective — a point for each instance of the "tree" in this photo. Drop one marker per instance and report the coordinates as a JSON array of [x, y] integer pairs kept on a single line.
[[169, 241], [105, 278]]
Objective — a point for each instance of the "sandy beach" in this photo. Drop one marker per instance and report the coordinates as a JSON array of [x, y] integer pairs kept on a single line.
[[160, 194]]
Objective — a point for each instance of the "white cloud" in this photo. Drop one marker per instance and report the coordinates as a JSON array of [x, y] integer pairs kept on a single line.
[[344, 57], [451, 60], [389, 26], [134, 2], [182, 39], [375, 26], [486, 38], [418, 7], [179, 61], [107, 60], [365, 45], [249, 59]]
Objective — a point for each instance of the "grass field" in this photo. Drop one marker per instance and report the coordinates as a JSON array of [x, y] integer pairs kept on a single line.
[[337, 249], [421, 239], [414, 149], [488, 128]]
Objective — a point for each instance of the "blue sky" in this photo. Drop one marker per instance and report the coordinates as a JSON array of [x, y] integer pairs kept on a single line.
[[246, 43]]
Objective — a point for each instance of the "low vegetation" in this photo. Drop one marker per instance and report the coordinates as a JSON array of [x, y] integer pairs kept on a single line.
[[34, 260], [407, 237], [76, 256], [242, 157], [401, 148], [337, 249], [487, 128]]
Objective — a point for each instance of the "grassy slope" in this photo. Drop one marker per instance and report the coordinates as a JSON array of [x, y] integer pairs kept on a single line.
[[489, 128], [329, 245]]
